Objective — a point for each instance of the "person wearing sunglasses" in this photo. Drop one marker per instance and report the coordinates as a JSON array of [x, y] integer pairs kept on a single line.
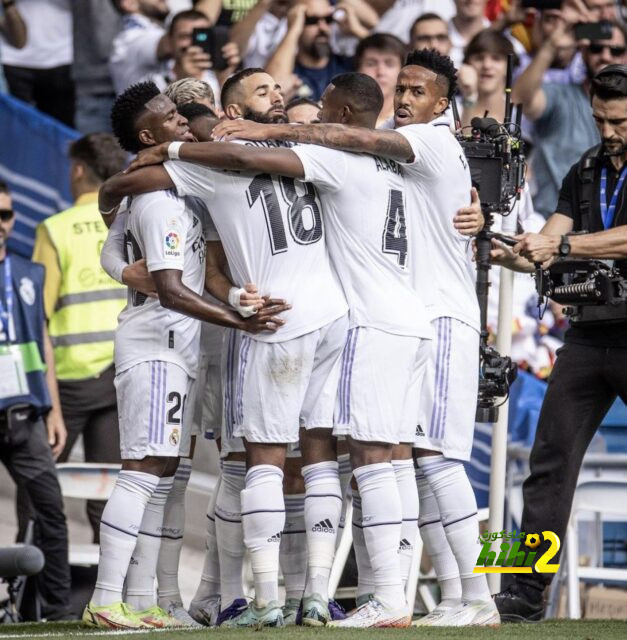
[[561, 112], [32, 432], [306, 48]]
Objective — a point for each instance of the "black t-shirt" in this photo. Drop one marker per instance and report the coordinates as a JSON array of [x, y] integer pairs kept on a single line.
[[603, 334]]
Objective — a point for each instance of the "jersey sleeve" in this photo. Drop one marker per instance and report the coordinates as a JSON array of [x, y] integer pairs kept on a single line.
[[162, 226], [426, 145], [191, 179], [325, 168], [112, 258]]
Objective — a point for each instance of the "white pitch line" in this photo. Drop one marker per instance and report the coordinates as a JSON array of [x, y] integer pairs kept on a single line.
[[59, 634]]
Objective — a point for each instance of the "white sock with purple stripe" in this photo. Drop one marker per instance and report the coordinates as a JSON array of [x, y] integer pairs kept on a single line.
[[229, 531], [172, 538], [118, 532], [458, 509], [263, 520], [293, 552], [365, 577], [408, 492], [323, 506], [381, 523], [437, 546], [142, 570], [346, 473]]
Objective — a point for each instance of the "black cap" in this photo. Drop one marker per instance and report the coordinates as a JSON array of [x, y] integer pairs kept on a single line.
[[610, 82]]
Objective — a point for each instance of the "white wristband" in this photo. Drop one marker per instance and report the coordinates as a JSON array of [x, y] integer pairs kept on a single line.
[[173, 150], [234, 301]]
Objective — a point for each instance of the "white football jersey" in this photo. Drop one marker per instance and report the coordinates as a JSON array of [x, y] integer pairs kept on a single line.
[[363, 199], [438, 185], [272, 231], [167, 231]]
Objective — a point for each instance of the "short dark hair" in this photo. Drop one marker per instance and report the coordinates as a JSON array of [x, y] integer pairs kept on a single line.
[[232, 82], [193, 110], [100, 153], [363, 92], [4, 188], [426, 17], [381, 42], [117, 6], [490, 41], [610, 83], [127, 108], [441, 65], [190, 14], [297, 102]]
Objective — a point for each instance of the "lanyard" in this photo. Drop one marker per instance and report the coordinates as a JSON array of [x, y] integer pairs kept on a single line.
[[607, 212], [6, 315]]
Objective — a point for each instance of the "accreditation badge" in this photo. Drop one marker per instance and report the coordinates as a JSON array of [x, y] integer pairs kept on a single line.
[[13, 380]]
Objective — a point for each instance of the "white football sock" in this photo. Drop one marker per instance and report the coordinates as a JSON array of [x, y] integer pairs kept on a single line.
[[346, 473], [323, 505], [229, 532], [436, 544], [209, 585], [381, 518], [142, 570], [458, 508], [365, 577], [263, 520], [172, 538], [118, 532], [293, 551], [408, 492]]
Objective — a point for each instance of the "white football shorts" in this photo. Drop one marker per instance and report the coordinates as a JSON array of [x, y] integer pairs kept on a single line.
[[230, 379], [449, 398], [153, 409], [380, 384], [288, 385]]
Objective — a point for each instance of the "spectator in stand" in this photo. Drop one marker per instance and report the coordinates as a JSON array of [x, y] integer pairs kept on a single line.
[[96, 23], [381, 57], [40, 72], [429, 31], [142, 46], [306, 50], [602, 9], [32, 432], [563, 127], [12, 25], [465, 25], [302, 111], [191, 90], [397, 14], [261, 30], [82, 305], [191, 61]]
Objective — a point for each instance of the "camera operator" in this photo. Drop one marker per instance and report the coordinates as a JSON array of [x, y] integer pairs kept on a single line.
[[591, 368]]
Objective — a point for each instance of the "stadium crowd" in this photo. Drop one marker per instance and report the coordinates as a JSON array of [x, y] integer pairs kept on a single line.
[[100, 66]]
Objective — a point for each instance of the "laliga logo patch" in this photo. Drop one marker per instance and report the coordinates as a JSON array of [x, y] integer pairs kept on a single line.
[[171, 244], [174, 437], [27, 291]]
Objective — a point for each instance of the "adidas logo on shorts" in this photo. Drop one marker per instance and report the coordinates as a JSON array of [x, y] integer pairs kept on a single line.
[[419, 431], [275, 538], [405, 545], [324, 526]]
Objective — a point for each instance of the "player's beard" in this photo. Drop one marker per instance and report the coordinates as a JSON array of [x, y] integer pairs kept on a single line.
[[265, 118]]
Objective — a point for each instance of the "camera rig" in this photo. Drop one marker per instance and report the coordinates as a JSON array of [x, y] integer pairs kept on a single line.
[[495, 154]]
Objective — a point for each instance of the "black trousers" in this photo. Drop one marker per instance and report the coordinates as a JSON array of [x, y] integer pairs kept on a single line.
[[50, 90], [28, 458], [582, 387], [90, 408]]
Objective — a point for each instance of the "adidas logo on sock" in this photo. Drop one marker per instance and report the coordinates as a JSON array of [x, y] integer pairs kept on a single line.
[[405, 545], [275, 538], [324, 526], [133, 561]]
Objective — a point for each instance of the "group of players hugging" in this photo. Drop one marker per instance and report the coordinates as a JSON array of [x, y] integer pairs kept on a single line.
[[307, 291]]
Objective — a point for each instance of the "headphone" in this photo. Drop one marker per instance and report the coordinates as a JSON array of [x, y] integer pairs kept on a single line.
[[613, 70]]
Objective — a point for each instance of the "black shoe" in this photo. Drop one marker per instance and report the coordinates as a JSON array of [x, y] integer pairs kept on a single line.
[[516, 604]]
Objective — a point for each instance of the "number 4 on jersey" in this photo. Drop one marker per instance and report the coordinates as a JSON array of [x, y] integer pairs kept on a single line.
[[395, 231]]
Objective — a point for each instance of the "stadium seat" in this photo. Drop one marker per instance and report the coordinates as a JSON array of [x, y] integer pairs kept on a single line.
[[86, 481]]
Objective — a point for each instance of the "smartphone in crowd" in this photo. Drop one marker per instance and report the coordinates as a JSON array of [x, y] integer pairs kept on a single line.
[[211, 40]]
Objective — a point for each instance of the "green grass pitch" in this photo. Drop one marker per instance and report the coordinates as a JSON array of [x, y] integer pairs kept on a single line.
[[550, 630]]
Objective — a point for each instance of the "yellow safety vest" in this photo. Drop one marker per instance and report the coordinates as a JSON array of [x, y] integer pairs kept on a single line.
[[83, 324]]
